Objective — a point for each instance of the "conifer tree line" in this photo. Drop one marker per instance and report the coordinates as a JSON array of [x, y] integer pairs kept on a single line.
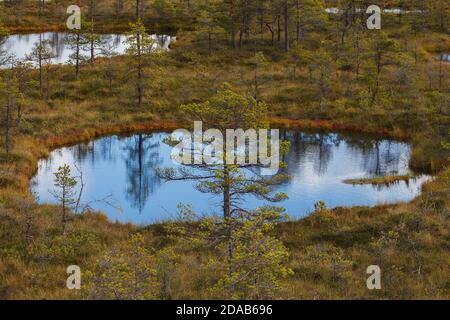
[[287, 21]]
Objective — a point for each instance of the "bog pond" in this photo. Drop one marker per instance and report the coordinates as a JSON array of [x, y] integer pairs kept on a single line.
[[120, 175], [21, 45]]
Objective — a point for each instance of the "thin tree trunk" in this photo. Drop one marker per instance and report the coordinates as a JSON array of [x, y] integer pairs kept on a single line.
[[233, 30], [47, 82], [40, 66], [139, 71], [286, 26], [279, 30], [77, 57], [92, 10], [377, 80], [226, 194], [261, 19], [272, 34], [228, 220], [63, 217], [138, 7], [142, 10], [8, 126], [28, 224], [297, 23], [256, 84]]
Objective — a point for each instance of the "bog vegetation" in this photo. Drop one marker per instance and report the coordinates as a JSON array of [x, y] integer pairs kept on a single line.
[[292, 63]]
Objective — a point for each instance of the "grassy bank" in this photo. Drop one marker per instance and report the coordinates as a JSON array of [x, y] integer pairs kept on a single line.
[[380, 180], [31, 17]]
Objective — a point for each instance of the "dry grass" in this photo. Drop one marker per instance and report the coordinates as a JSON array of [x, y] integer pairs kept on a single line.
[[387, 180]]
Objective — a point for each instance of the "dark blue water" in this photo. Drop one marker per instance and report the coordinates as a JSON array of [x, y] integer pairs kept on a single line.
[[120, 176]]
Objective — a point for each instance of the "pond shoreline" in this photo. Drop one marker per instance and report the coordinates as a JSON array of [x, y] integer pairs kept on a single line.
[[315, 157], [100, 27], [79, 136], [61, 27], [20, 46], [84, 135]]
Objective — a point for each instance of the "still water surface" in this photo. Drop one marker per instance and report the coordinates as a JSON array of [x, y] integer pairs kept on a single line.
[[21, 45], [123, 170], [445, 57]]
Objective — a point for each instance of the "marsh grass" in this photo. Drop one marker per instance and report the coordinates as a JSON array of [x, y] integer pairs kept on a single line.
[[386, 180]]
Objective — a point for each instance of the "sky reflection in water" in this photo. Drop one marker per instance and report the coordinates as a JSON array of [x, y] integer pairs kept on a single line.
[[124, 169]]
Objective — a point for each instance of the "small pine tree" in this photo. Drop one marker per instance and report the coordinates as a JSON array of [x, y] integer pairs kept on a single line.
[[9, 96], [258, 62], [257, 264], [124, 273], [64, 192], [139, 43], [41, 55], [77, 40]]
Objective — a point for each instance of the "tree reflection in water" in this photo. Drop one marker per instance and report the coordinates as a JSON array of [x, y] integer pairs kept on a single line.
[[379, 157], [141, 158], [314, 148], [125, 168]]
